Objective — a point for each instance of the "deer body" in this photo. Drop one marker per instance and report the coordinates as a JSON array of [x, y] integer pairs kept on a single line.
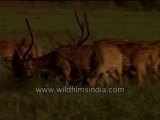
[[146, 61]]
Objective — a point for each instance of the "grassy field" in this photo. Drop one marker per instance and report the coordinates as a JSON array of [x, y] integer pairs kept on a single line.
[[19, 100]]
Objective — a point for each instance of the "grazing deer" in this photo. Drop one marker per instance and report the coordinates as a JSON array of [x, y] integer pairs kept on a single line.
[[107, 60], [134, 60], [146, 63], [24, 64], [78, 54], [140, 58], [59, 60]]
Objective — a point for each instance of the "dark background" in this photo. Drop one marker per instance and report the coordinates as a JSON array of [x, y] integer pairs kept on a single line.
[[110, 4]]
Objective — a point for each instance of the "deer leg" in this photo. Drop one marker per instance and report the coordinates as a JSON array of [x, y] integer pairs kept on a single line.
[[81, 75], [141, 73], [92, 79], [156, 73], [108, 78], [66, 73], [119, 74]]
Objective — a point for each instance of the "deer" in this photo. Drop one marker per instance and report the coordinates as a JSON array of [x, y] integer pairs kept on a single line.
[[24, 64], [137, 56], [107, 60], [146, 63], [140, 58], [8, 47], [59, 60], [80, 55]]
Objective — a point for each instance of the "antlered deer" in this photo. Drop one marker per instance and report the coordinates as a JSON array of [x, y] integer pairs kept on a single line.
[[25, 64], [58, 60], [78, 54]]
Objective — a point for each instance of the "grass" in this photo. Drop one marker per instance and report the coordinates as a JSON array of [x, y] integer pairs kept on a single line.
[[19, 101]]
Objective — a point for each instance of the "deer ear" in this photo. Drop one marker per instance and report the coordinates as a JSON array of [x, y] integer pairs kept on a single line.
[[29, 50]]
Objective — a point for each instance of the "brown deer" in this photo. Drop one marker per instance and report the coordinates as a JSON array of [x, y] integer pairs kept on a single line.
[[106, 60], [59, 60], [146, 62], [24, 65], [142, 58], [78, 54], [137, 56]]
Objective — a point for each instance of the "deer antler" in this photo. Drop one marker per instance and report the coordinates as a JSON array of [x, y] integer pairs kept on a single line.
[[19, 45], [82, 40], [88, 33], [25, 56], [81, 27], [21, 57]]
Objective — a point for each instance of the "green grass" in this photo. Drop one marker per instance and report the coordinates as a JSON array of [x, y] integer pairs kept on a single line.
[[103, 23], [19, 101]]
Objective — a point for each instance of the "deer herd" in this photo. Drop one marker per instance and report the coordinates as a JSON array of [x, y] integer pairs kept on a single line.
[[96, 64]]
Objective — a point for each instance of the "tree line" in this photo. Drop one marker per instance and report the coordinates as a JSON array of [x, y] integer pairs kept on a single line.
[[109, 4]]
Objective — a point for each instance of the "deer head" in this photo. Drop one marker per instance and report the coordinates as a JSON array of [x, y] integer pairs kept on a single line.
[[22, 63]]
